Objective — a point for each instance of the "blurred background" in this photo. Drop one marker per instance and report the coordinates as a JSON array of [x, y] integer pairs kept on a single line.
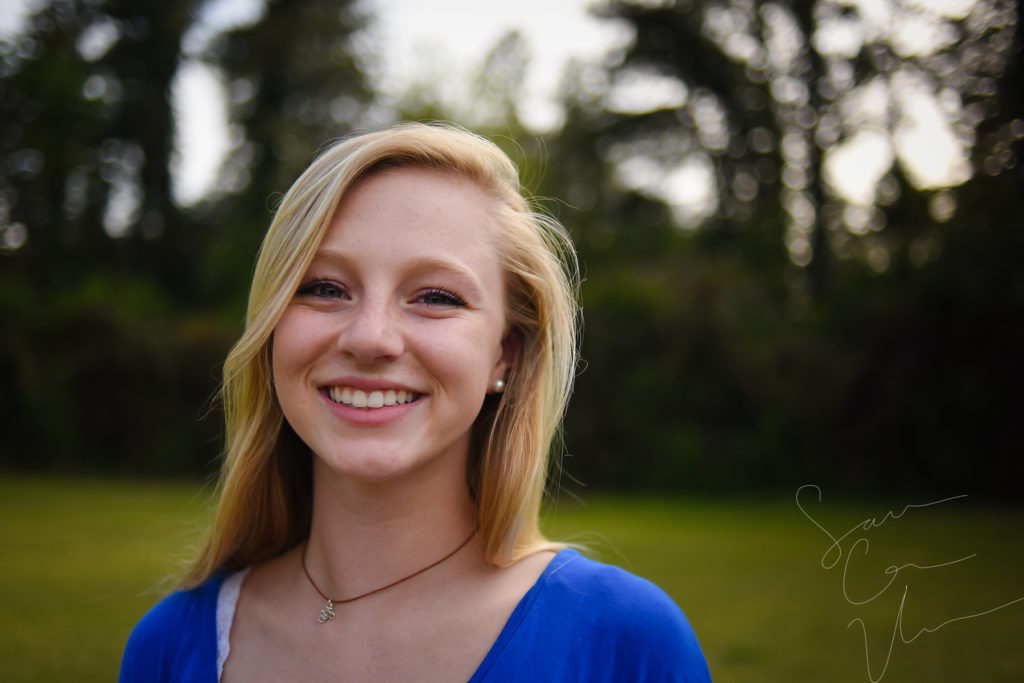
[[800, 224]]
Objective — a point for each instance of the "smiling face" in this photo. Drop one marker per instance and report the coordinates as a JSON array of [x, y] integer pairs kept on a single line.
[[382, 360]]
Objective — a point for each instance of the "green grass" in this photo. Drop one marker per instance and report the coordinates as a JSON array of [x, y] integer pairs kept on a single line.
[[81, 561], [749, 576]]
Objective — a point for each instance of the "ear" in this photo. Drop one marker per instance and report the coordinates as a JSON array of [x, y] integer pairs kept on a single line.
[[507, 358]]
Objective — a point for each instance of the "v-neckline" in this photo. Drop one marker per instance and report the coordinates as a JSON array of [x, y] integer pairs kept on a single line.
[[230, 589]]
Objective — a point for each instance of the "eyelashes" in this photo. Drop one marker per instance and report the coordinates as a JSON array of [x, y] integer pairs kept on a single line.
[[325, 288], [441, 297]]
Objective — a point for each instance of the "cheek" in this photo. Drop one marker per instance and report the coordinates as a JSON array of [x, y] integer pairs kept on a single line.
[[280, 370], [457, 359], [276, 363], [280, 352], [290, 358], [292, 347]]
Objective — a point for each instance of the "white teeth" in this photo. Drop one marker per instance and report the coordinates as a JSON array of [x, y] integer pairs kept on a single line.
[[358, 398]]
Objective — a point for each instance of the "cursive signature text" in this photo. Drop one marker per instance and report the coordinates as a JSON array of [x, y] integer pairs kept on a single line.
[[854, 544]]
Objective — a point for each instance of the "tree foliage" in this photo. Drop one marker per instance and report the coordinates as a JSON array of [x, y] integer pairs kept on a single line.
[[821, 108], [756, 314], [119, 302], [783, 326]]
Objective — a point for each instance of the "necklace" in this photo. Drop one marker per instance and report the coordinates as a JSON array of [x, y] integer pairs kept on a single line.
[[327, 613]]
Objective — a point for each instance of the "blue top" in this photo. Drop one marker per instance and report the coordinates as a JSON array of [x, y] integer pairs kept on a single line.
[[581, 621]]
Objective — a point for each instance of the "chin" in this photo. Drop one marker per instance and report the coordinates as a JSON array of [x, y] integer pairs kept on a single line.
[[372, 469]]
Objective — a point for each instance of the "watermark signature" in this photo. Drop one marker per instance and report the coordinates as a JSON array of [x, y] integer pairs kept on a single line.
[[855, 539]]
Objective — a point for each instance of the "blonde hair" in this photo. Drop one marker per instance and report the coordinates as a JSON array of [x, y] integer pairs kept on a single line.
[[265, 502]]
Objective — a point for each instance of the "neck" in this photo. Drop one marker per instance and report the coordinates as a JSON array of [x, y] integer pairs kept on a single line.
[[365, 535]]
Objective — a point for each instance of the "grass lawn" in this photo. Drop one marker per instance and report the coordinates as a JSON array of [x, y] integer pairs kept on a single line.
[[83, 560]]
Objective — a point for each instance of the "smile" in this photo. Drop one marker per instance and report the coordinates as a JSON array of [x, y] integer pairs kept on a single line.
[[357, 398]]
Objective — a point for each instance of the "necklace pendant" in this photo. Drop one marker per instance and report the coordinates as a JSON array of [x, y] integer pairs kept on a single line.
[[327, 613]]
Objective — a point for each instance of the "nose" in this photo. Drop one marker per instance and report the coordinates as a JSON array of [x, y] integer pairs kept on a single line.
[[372, 331]]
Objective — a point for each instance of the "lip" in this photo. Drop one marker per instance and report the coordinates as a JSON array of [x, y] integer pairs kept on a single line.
[[368, 384], [373, 417]]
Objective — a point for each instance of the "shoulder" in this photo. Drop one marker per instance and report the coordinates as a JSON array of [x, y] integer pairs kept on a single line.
[[614, 599], [585, 620], [176, 640]]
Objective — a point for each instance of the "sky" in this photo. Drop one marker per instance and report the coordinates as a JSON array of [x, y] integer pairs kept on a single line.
[[452, 37], [443, 42]]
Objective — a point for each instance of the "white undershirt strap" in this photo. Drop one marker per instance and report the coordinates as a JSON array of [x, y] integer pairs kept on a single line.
[[227, 600]]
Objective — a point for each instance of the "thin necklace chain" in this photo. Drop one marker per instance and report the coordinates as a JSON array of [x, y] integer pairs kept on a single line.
[[327, 613]]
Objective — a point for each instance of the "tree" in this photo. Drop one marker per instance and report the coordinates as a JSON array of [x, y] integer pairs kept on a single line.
[[288, 97], [83, 161], [118, 300], [822, 109], [788, 324]]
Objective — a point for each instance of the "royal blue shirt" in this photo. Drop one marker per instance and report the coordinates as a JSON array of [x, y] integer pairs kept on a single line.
[[581, 621]]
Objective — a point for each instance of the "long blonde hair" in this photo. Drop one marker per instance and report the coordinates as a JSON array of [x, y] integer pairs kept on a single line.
[[265, 502]]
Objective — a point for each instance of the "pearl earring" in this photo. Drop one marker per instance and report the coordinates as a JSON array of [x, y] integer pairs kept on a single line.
[[499, 386]]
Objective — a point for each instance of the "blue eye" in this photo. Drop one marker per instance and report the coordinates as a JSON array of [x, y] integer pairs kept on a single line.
[[440, 297], [322, 288]]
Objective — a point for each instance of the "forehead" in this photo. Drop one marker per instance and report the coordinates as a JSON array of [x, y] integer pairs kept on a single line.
[[408, 213]]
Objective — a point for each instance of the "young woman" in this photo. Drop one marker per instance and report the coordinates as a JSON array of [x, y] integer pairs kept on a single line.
[[409, 349]]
